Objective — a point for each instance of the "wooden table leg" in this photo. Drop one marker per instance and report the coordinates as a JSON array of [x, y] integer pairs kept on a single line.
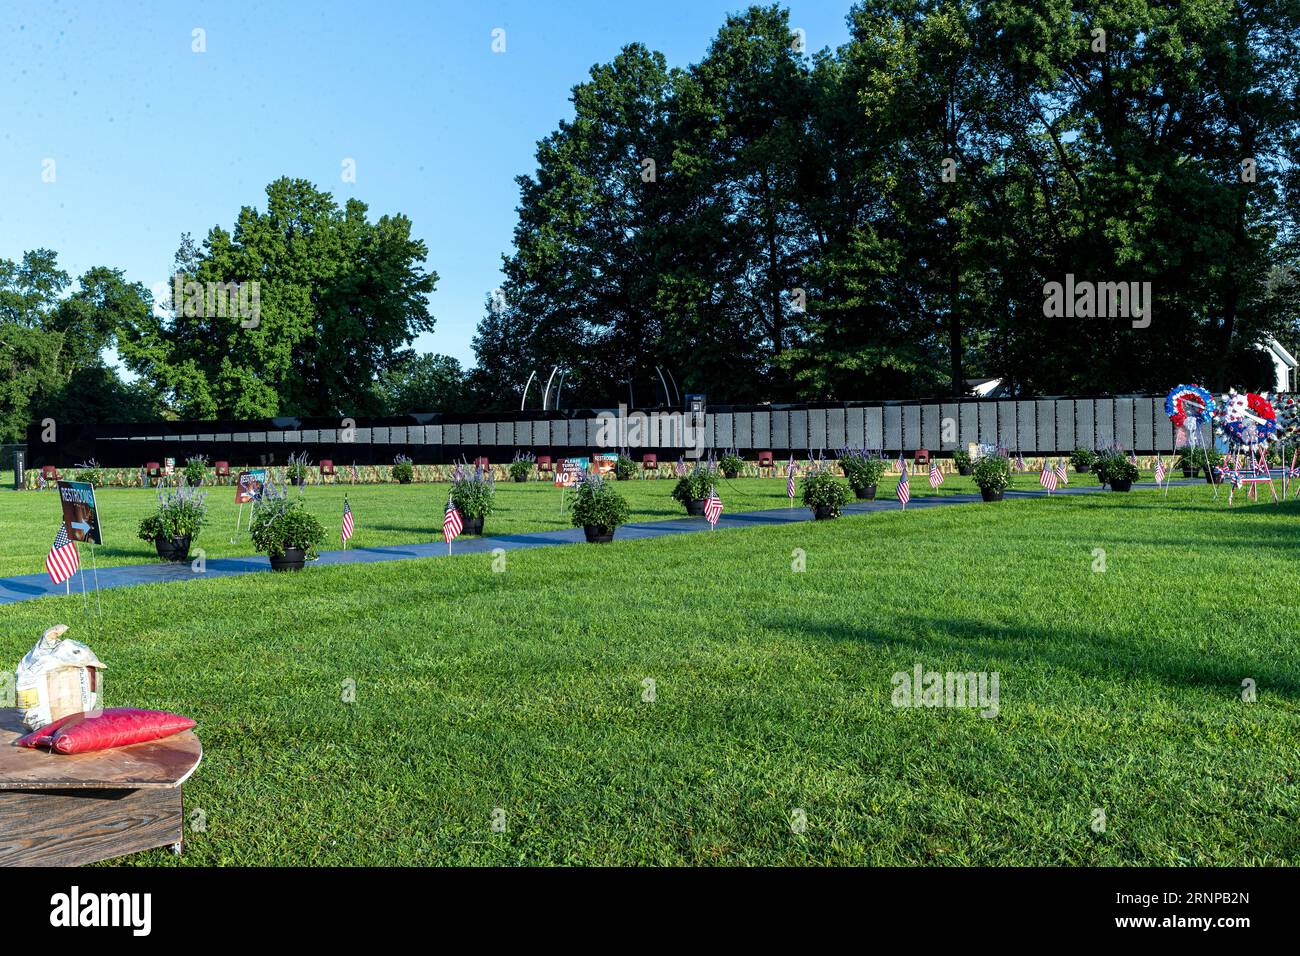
[[72, 827]]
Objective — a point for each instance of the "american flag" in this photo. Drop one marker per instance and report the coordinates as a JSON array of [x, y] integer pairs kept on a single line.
[[1020, 462], [452, 523], [347, 521], [681, 467], [1160, 470], [1047, 478], [789, 482], [355, 476], [936, 476], [62, 561], [904, 490], [712, 507], [1062, 474]]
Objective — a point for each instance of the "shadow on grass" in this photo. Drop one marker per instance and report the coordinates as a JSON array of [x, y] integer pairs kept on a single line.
[[1086, 654]]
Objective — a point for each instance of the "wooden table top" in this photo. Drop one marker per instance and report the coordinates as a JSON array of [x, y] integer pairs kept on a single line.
[[153, 764]]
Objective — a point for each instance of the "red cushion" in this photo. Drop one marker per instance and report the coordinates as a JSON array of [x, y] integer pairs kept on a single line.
[[113, 727], [43, 736]]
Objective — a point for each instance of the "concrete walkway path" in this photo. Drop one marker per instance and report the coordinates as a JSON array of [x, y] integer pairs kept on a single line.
[[29, 586]]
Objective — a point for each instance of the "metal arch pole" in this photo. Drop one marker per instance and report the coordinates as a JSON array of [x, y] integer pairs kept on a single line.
[[677, 394], [559, 387], [527, 385], [546, 395], [667, 399]]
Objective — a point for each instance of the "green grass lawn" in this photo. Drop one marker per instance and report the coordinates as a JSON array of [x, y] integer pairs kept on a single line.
[[384, 514], [1120, 691]]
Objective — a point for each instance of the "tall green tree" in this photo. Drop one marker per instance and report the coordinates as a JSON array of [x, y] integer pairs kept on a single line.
[[52, 345], [582, 284], [338, 299], [422, 383]]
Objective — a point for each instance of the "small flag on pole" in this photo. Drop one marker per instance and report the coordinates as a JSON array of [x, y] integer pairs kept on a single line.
[[1020, 462], [712, 508], [1160, 471], [452, 524], [904, 490], [62, 561], [936, 476], [789, 482], [347, 521], [1062, 474], [1047, 478]]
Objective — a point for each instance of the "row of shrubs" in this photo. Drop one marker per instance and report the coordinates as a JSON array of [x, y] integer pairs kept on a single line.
[[283, 529]]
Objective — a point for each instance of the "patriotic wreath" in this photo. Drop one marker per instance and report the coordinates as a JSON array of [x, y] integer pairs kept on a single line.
[[1288, 420], [1249, 419], [1189, 402]]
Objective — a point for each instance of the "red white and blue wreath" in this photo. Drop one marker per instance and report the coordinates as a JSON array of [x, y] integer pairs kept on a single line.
[[1249, 419], [1186, 403]]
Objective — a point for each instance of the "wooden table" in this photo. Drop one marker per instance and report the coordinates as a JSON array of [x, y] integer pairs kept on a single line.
[[69, 809]]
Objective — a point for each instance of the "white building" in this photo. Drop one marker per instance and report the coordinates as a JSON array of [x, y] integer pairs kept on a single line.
[[1284, 365]]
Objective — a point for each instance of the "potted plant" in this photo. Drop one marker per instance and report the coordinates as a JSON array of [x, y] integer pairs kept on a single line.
[[284, 530], [624, 468], [992, 475], [1115, 469], [91, 472], [1215, 459], [730, 465], [863, 472], [295, 472], [521, 469], [195, 470], [403, 470], [824, 494], [175, 522], [472, 493], [692, 488], [598, 509], [1188, 460], [962, 460], [1083, 459]]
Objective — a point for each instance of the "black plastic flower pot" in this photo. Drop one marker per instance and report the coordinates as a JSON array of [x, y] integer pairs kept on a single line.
[[172, 549], [293, 559], [403, 481], [598, 534], [519, 479], [695, 507], [1121, 484], [1189, 471], [730, 475], [1212, 479], [965, 469], [991, 494], [866, 493], [824, 513], [473, 525]]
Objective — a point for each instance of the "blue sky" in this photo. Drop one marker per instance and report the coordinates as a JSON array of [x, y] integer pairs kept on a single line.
[[150, 139]]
